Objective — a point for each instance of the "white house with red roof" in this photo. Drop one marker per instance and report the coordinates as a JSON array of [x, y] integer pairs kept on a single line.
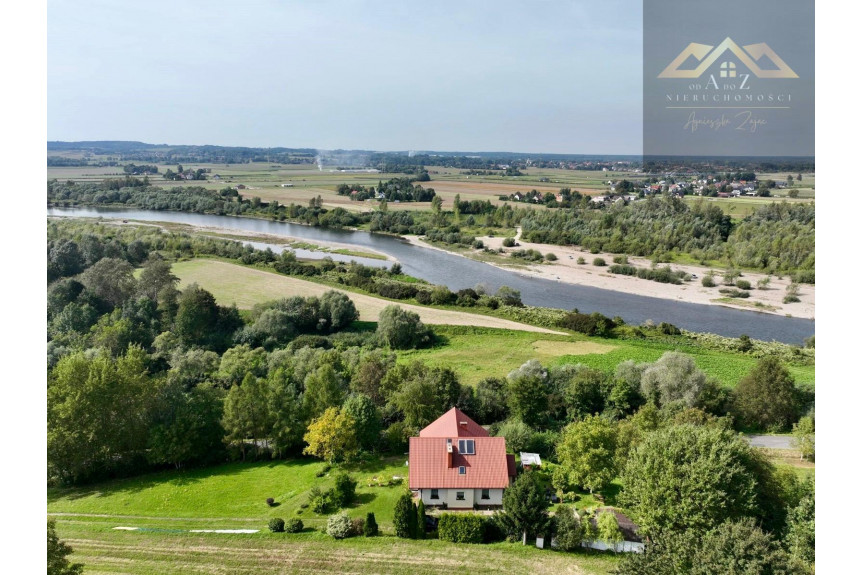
[[455, 462]]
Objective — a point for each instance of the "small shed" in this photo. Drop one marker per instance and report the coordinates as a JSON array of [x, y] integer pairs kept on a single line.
[[530, 459]]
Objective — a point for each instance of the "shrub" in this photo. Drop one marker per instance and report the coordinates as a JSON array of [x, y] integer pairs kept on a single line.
[[294, 525], [805, 277], [344, 492], [423, 297], [743, 284], [733, 292], [320, 504], [271, 501], [708, 279], [461, 528], [568, 529], [370, 528], [509, 296], [551, 257], [441, 295], [763, 282], [508, 242], [790, 299], [478, 245], [323, 470], [580, 261], [358, 525], [623, 269], [623, 260], [339, 525], [593, 324], [401, 329], [598, 262], [405, 517], [730, 276], [276, 525]]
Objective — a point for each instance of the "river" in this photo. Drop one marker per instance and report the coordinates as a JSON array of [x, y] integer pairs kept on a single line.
[[457, 272]]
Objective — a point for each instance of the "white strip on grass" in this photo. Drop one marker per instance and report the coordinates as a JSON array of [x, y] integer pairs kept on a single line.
[[223, 531], [197, 530]]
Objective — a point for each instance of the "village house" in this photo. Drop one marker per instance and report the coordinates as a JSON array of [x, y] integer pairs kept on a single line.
[[454, 463]]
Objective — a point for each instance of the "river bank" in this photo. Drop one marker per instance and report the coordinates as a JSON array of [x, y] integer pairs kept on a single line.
[[567, 270]]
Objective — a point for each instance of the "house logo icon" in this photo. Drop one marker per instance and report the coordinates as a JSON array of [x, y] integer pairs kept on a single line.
[[749, 56]]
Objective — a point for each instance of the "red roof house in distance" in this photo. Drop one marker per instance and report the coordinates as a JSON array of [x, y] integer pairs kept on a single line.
[[455, 462]]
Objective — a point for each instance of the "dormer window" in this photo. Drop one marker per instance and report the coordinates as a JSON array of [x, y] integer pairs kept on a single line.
[[466, 446], [461, 470]]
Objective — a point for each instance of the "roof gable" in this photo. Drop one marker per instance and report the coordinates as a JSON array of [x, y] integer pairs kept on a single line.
[[453, 423]]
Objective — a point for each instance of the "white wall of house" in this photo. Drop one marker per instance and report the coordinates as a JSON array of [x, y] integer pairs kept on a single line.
[[495, 497], [453, 501], [471, 496]]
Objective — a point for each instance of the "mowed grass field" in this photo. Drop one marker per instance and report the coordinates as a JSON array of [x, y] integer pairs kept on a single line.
[[163, 552], [167, 505], [245, 287]]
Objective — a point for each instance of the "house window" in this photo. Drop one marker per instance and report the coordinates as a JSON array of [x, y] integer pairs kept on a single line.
[[466, 446], [461, 470], [485, 494], [459, 495], [434, 494]]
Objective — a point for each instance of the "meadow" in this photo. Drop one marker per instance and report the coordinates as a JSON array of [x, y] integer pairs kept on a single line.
[[504, 350]]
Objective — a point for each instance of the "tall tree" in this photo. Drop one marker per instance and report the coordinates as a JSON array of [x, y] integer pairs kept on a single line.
[[247, 415], [766, 397], [156, 276], [674, 378], [332, 437], [367, 418], [527, 395], [99, 411], [689, 477], [524, 508], [110, 279], [587, 452]]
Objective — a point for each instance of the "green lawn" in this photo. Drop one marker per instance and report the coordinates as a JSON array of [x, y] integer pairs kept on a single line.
[[166, 506], [235, 491], [502, 351]]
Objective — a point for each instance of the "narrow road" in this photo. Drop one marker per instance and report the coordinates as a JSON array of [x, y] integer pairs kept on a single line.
[[771, 441]]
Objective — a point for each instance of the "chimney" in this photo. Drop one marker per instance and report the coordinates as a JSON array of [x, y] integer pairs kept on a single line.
[[449, 453]]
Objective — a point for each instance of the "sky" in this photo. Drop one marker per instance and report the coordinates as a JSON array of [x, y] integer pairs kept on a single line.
[[554, 77]]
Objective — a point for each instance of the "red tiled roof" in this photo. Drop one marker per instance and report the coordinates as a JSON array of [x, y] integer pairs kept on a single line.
[[486, 469], [450, 425]]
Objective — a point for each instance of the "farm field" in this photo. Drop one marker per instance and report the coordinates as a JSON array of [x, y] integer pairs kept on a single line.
[[245, 287]]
